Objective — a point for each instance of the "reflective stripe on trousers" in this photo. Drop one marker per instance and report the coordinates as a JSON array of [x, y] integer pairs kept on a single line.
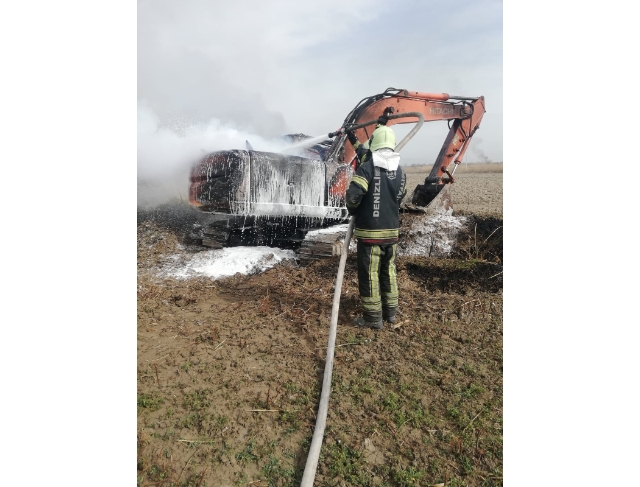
[[377, 281]]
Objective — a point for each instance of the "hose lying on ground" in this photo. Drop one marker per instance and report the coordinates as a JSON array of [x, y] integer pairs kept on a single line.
[[323, 408]]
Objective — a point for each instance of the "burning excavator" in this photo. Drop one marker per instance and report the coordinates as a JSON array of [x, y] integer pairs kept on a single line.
[[275, 199]]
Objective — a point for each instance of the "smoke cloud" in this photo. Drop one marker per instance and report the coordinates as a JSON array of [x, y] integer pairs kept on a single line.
[[168, 148], [475, 144]]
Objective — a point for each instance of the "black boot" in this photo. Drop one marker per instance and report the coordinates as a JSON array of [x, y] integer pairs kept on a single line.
[[370, 320], [389, 314]]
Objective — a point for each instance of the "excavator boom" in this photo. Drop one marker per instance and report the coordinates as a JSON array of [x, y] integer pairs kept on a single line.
[[463, 113]]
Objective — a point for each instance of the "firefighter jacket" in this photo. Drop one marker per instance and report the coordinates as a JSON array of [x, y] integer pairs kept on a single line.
[[374, 196], [362, 153]]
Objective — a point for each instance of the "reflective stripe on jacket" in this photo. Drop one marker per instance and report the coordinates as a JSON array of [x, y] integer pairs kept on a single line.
[[374, 196]]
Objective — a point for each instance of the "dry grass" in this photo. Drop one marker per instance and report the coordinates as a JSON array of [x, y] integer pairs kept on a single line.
[[230, 371], [474, 168]]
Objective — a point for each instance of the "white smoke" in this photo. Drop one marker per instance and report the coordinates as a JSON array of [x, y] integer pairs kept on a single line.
[[168, 149]]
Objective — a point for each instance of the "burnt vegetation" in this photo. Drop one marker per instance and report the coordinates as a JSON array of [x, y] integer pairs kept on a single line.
[[230, 371]]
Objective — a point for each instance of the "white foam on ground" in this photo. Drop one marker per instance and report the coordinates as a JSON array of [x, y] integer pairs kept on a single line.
[[434, 235], [323, 231], [227, 262], [339, 230]]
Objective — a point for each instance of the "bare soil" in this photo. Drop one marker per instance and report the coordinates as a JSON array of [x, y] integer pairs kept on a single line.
[[472, 193], [230, 371]]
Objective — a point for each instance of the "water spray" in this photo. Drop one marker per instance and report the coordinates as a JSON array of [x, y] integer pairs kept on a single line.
[[306, 143]]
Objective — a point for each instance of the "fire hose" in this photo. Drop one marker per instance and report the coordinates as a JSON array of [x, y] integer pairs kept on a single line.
[[323, 408]]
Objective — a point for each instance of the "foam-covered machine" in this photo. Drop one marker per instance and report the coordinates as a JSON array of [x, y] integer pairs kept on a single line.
[[265, 198]]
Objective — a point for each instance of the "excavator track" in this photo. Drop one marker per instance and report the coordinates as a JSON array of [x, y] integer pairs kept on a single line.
[[271, 232], [322, 244], [310, 241]]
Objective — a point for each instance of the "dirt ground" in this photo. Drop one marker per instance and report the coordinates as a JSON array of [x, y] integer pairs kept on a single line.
[[230, 370], [477, 193]]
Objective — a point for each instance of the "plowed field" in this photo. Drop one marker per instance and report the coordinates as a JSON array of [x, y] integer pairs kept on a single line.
[[230, 370]]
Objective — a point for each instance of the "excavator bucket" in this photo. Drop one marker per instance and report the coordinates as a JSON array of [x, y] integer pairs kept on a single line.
[[424, 194]]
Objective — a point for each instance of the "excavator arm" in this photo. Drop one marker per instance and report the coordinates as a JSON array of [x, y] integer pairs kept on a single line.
[[463, 113]]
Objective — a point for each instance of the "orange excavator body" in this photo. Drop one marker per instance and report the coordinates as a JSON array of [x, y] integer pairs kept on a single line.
[[465, 112], [271, 198]]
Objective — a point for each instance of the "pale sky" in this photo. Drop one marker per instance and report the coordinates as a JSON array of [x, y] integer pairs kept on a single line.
[[272, 68]]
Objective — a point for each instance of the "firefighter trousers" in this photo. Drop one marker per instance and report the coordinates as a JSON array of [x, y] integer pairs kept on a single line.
[[377, 280]]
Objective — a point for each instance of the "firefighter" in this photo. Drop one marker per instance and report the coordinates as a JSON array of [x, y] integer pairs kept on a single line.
[[374, 195]]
